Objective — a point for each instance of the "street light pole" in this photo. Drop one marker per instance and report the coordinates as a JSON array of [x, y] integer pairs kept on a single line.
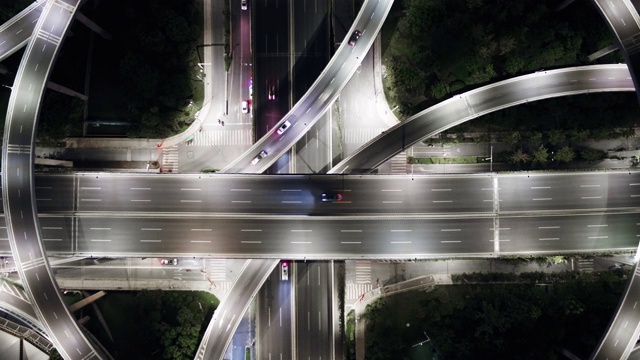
[[490, 158]]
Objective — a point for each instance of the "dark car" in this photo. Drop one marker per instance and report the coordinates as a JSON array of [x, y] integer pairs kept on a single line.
[[331, 196], [354, 37]]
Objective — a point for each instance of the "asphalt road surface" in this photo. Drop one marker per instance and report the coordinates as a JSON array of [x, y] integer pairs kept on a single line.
[[481, 101], [313, 310], [320, 96], [274, 317], [17, 182]]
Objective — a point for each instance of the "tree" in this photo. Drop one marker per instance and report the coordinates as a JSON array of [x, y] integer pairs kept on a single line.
[[541, 156], [536, 139], [513, 138], [589, 154], [556, 137], [565, 155], [519, 157], [579, 136]]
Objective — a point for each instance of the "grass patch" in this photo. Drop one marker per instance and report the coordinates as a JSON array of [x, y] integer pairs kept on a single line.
[[448, 160], [350, 335]]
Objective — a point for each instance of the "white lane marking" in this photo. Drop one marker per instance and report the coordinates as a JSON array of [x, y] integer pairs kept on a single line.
[[51, 239], [290, 189], [101, 240], [151, 229], [301, 242], [140, 188], [401, 242], [634, 184], [90, 199], [449, 241], [598, 225], [588, 186], [540, 187], [301, 230], [201, 229], [440, 189], [241, 201], [100, 228], [350, 242], [591, 197], [350, 231], [548, 227], [598, 237], [541, 199], [240, 189], [450, 229], [391, 190], [401, 230], [200, 241], [151, 241], [548, 239], [90, 188], [251, 242], [37, 276], [491, 229], [442, 201], [191, 201], [332, 80], [190, 189], [251, 230], [141, 200], [291, 202], [634, 196]]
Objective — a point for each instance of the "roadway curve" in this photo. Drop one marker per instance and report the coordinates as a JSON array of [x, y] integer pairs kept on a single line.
[[623, 20], [17, 181], [481, 101], [16, 32], [320, 95], [231, 310], [622, 335]]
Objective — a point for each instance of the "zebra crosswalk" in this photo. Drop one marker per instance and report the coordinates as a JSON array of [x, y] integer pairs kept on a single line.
[[221, 138], [355, 291], [360, 136]]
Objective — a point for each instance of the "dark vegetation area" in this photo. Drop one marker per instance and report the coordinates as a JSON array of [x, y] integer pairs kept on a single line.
[[145, 76], [442, 47], [154, 324], [497, 321]]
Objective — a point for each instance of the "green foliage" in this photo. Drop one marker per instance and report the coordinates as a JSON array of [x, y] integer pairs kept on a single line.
[[497, 321], [512, 138], [565, 155], [439, 43], [588, 154], [175, 319], [556, 136], [519, 157], [153, 61], [61, 116], [541, 156]]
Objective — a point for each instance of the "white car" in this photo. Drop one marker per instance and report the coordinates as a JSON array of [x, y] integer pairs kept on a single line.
[[285, 272], [283, 127], [245, 107], [263, 154], [243, 5], [169, 261]]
